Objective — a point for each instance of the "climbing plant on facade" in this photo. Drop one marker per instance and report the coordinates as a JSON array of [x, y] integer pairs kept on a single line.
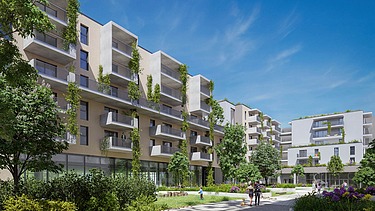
[[149, 88], [133, 89], [183, 70], [70, 33], [135, 137], [72, 97], [104, 81], [156, 95]]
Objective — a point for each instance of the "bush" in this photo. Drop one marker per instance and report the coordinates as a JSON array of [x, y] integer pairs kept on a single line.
[[145, 203], [234, 189], [370, 190], [6, 190], [24, 203], [285, 185], [108, 202]]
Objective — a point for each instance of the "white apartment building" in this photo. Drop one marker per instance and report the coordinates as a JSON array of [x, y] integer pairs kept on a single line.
[[258, 126], [319, 137]]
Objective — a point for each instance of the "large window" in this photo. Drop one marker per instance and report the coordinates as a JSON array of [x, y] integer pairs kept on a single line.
[[352, 150], [84, 110], [84, 34], [336, 151], [84, 60], [46, 68], [84, 135]]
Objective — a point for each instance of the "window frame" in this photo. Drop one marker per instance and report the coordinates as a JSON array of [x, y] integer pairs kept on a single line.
[[84, 142], [84, 62], [84, 37]]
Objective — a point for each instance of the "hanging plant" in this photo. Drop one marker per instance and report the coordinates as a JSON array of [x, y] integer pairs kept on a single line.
[[104, 146], [156, 97], [183, 69], [135, 138], [134, 61], [133, 91], [70, 33], [104, 81], [72, 98], [149, 88]]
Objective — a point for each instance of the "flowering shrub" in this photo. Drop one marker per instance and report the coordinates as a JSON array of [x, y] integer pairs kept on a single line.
[[234, 189], [342, 193], [370, 190]]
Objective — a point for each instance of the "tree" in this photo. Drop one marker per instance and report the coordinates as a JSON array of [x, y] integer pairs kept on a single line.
[[335, 166], [29, 126], [267, 159], [310, 161], [248, 172], [298, 170], [366, 172], [179, 167], [231, 150]]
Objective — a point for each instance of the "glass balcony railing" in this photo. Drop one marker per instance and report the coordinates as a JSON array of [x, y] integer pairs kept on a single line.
[[172, 73], [171, 92], [122, 47], [53, 10], [205, 90]]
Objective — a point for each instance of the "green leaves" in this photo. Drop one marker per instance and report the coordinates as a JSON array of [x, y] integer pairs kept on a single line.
[[133, 91], [136, 163], [366, 172], [183, 70], [267, 159], [248, 172], [134, 61], [298, 170], [70, 33], [73, 98], [179, 167], [335, 165], [231, 150]]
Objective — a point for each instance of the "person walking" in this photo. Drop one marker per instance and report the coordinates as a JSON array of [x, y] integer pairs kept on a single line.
[[319, 187], [257, 192], [250, 190], [201, 192]]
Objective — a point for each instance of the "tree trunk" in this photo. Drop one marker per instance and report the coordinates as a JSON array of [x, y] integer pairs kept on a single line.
[[16, 180], [266, 178]]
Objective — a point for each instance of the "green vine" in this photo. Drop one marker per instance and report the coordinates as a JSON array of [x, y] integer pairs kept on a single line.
[[211, 120], [261, 120], [269, 122], [133, 91], [70, 33], [183, 69], [156, 97], [104, 81], [72, 97], [104, 146], [135, 137], [281, 151], [185, 124], [149, 88]]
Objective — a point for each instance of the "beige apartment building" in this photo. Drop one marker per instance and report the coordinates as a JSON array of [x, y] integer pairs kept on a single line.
[[105, 115]]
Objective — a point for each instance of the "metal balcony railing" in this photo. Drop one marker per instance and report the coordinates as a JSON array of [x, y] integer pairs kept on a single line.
[[118, 142], [117, 118], [167, 110], [172, 73], [205, 107], [53, 10], [169, 150], [171, 131], [171, 92], [205, 156], [51, 39], [50, 70], [122, 47], [122, 70]]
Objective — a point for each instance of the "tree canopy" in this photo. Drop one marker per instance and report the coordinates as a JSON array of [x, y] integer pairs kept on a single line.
[[248, 172], [335, 165], [267, 159], [298, 170], [179, 167], [366, 172], [231, 150]]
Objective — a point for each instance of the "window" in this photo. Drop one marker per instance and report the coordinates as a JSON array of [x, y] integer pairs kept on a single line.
[[46, 68], [193, 149], [152, 142], [167, 144], [245, 114], [108, 133], [316, 152], [152, 122], [114, 91], [84, 34], [193, 133], [352, 160], [352, 150], [250, 148], [84, 81], [245, 125], [336, 151], [84, 135], [302, 153], [84, 58], [84, 110], [250, 136], [114, 112]]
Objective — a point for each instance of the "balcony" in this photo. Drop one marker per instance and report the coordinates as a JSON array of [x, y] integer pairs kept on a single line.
[[121, 52], [205, 91], [276, 129], [116, 121], [118, 145], [166, 132], [170, 111], [170, 96], [200, 140], [71, 139], [367, 132], [49, 46], [253, 141], [121, 74], [163, 151], [170, 76], [253, 130], [205, 107], [53, 75], [276, 138], [306, 156], [198, 121], [54, 12], [324, 124], [254, 119], [201, 156]]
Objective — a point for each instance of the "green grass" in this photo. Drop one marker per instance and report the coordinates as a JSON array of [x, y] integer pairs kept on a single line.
[[281, 193], [191, 200]]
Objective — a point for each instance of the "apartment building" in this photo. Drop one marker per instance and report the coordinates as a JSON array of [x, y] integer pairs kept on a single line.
[[105, 115], [258, 126], [319, 137]]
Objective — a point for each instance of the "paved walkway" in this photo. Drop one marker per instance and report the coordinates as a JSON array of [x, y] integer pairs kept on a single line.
[[281, 203]]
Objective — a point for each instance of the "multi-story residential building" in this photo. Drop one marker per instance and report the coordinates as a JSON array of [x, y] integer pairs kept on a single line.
[[258, 126], [317, 138], [105, 114]]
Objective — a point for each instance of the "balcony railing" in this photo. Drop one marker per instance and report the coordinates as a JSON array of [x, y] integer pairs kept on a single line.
[[122, 47], [203, 139], [205, 156], [324, 123], [205, 90], [119, 118], [199, 121], [171, 92], [366, 131], [171, 131], [172, 73], [205, 107], [53, 10], [123, 143], [367, 121], [167, 110], [122, 70], [52, 40]]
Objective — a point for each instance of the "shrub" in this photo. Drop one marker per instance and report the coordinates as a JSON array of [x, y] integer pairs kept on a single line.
[[108, 202], [234, 189], [24, 203], [145, 203], [285, 185], [370, 190], [6, 190], [36, 189]]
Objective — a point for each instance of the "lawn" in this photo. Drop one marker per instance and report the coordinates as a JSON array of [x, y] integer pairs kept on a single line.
[[191, 200], [281, 193]]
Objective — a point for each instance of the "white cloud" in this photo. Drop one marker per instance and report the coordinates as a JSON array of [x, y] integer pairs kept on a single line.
[[286, 53], [288, 24]]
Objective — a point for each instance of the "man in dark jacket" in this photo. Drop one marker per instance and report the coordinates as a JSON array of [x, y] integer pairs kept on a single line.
[[257, 192]]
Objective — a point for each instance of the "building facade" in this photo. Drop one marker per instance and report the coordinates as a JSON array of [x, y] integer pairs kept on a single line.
[[105, 116]]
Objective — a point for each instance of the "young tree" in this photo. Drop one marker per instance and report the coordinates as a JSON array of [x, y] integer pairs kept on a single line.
[[179, 167], [366, 172], [29, 126], [298, 170], [248, 172], [335, 166], [231, 150], [267, 159]]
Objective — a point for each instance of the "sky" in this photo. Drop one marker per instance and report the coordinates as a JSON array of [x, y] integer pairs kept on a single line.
[[287, 58]]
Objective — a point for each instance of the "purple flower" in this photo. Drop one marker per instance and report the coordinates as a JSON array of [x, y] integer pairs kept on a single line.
[[370, 190], [351, 189], [335, 198], [337, 192], [234, 189]]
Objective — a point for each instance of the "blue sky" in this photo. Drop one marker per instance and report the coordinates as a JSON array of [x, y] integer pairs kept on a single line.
[[286, 58]]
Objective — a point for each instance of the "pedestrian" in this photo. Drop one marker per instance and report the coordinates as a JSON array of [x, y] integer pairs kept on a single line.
[[201, 192], [313, 187], [345, 185], [257, 192], [250, 190], [319, 187]]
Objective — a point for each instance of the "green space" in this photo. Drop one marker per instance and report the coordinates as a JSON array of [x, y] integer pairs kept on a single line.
[[190, 200]]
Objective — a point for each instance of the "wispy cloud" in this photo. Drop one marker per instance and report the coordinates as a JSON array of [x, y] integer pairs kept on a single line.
[[288, 24], [286, 53], [337, 84]]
